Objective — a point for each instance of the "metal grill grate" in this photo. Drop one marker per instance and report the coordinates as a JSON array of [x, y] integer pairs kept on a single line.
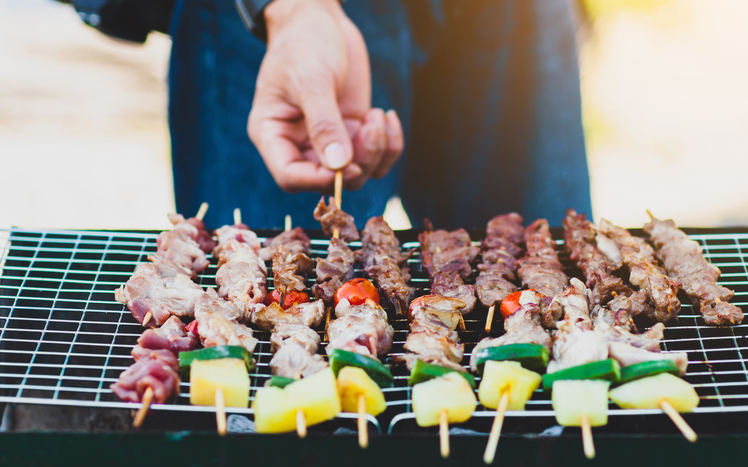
[[64, 340]]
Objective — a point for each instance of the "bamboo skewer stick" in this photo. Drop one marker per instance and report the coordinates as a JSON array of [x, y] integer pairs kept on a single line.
[[140, 416], [498, 422], [221, 412], [201, 212], [335, 233], [300, 424], [489, 318], [363, 432], [444, 433], [676, 417], [288, 223], [589, 445], [237, 216]]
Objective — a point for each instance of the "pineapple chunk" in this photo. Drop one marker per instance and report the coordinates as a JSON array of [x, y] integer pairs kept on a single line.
[[573, 398], [450, 392], [229, 374], [354, 382], [273, 411], [507, 376], [317, 396], [647, 393]]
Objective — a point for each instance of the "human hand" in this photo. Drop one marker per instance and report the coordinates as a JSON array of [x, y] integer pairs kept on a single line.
[[312, 110]]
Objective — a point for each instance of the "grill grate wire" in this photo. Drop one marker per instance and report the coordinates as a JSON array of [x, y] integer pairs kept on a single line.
[[64, 340]]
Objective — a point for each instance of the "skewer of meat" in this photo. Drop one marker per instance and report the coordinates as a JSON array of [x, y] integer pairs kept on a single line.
[[620, 247], [496, 273], [433, 339], [685, 262], [155, 374], [540, 268], [622, 303], [447, 257], [164, 287], [384, 263], [242, 275]]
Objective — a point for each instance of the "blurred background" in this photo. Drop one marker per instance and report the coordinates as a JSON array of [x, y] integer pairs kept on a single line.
[[84, 140]]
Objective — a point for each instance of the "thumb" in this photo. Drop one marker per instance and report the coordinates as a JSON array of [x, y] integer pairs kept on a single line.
[[326, 129]]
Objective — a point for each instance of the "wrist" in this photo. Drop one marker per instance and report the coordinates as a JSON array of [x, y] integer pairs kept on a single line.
[[280, 13]]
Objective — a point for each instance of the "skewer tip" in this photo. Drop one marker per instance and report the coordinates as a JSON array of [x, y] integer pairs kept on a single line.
[[444, 433], [221, 413], [201, 212], [143, 410], [587, 442], [498, 422], [288, 223], [237, 216], [679, 421], [363, 431], [339, 188], [651, 216], [300, 424], [489, 318]]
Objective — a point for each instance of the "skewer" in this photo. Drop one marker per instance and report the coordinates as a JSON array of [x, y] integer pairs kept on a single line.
[[363, 432], [300, 424], [489, 318], [237, 216], [147, 317], [676, 417], [140, 416], [461, 323], [498, 422], [589, 445], [201, 212], [288, 223], [220, 412], [444, 433], [335, 234], [651, 216]]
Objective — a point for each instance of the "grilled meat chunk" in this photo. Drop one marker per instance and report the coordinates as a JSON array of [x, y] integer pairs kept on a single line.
[[332, 218], [333, 271], [171, 336], [218, 322], [158, 370], [242, 275], [685, 262], [500, 251], [161, 287], [293, 241], [540, 268], [186, 244], [362, 329], [294, 348]]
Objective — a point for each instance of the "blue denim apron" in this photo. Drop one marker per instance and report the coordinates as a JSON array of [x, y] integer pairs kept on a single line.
[[487, 90]]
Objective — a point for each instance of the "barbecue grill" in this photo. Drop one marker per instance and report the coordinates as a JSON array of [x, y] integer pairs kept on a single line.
[[64, 340]]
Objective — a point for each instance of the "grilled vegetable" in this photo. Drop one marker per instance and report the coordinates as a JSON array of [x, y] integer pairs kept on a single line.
[[357, 291], [228, 374], [354, 382], [374, 368], [645, 369], [186, 359], [573, 399], [316, 395], [647, 393], [279, 381], [608, 370], [507, 376], [531, 356], [292, 298], [450, 392], [423, 371]]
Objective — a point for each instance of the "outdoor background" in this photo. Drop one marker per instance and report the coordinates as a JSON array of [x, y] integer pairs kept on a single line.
[[84, 139]]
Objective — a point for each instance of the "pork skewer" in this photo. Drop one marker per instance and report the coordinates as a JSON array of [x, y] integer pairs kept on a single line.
[[384, 263], [447, 257], [685, 262], [620, 247], [500, 250]]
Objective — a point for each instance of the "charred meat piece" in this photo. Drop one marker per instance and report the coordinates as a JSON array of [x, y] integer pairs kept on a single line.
[[294, 348], [447, 257], [332, 218], [500, 251], [158, 370], [218, 323], [333, 271], [540, 268], [171, 336], [161, 287], [686, 263], [186, 244], [362, 329], [383, 262], [638, 256], [309, 314], [432, 338], [293, 241]]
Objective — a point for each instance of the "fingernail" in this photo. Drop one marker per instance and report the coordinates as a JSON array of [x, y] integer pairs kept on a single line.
[[391, 118], [335, 156]]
